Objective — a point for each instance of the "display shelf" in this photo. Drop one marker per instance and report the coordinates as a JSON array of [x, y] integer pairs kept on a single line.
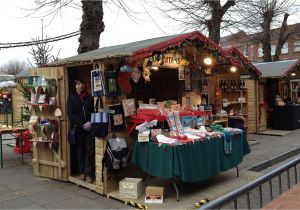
[[43, 141], [236, 102], [40, 125], [36, 86], [229, 90], [42, 104]]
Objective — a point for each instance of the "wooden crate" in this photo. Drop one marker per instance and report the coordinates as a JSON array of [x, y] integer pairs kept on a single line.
[[130, 188]]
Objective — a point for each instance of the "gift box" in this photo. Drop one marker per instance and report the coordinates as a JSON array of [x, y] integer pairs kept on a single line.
[[144, 136], [154, 194]]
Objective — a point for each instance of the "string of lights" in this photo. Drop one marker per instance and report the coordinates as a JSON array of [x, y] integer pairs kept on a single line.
[[35, 42]]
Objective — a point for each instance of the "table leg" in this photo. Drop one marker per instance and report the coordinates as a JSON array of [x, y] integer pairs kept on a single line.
[[147, 180], [237, 172], [176, 189], [1, 150], [21, 140]]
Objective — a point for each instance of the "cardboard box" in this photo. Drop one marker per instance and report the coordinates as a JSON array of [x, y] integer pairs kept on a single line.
[[144, 136], [130, 188], [154, 194]]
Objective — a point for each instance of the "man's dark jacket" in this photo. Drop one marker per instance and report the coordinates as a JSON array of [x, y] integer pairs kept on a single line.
[[79, 112]]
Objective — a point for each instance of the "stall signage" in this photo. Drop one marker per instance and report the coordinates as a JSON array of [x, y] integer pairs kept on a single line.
[[165, 60]]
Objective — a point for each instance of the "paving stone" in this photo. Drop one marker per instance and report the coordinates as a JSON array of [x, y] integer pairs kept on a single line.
[[51, 196], [83, 203], [15, 203]]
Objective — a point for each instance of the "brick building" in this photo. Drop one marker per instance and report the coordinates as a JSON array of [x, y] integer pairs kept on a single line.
[[251, 47]]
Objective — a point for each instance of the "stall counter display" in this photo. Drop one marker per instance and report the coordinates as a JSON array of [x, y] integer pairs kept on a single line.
[[191, 162]]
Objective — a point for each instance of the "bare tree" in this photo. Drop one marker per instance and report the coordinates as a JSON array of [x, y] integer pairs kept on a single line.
[[92, 24], [263, 15], [42, 53], [13, 67], [210, 15]]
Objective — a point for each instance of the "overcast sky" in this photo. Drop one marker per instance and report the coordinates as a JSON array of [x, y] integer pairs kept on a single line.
[[15, 27]]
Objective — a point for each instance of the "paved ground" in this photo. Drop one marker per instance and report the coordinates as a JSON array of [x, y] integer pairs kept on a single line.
[[20, 189]]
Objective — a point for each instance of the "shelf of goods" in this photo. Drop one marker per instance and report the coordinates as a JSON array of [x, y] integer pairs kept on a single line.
[[45, 127]]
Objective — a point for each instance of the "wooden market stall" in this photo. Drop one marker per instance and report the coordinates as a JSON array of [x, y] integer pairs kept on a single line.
[[181, 69], [13, 102], [276, 82], [255, 102]]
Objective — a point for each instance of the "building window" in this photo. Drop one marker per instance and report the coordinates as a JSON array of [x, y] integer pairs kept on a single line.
[[297, 46], [273, 49], [285, 49], [260, 51], [246, 52]]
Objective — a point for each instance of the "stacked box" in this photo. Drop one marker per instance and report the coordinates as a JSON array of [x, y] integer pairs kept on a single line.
[[130, 188]]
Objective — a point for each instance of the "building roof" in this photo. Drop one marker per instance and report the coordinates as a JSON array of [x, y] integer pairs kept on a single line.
[[255, 37], [142, 49], [246, 63], [274, 69], [5, 77]]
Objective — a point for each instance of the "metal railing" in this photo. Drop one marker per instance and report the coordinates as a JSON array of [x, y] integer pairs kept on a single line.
[[257, 183]]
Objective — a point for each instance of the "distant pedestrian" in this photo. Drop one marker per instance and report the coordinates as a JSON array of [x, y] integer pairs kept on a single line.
[[80, 107]]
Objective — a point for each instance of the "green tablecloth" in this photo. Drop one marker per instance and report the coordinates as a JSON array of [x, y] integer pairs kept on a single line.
[[190, 162]]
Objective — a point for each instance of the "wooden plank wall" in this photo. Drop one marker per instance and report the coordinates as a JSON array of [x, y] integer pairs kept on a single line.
[[110, 181], [50, 162], [252, 100], [262, 115]]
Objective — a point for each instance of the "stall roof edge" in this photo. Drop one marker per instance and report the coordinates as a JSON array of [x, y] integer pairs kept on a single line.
[[232, 50], [291, 68], [274, 69], [112, 51], [138, 49]]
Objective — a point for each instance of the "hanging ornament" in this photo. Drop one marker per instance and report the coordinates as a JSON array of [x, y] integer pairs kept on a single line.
[[44, 88], [161, 61], [36, 88], [41, 108], [146, 74], [124, 82], [34, 144], [50, 145]]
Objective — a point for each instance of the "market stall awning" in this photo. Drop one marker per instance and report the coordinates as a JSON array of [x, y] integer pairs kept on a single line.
[[294, 68], [145, 48], [274, 69], [244, 61]]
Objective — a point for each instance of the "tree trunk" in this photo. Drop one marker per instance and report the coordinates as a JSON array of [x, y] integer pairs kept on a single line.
[[91, 27], [217, 14], [282, 38], [266, 35], [214, 29]]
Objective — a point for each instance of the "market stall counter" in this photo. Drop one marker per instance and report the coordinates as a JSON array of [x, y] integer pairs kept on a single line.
[[192, 162]]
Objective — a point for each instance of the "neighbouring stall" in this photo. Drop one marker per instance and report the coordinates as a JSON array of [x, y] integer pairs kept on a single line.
[[13, 106], [162, 99], [255, 103], [286, 113], [279, 80]]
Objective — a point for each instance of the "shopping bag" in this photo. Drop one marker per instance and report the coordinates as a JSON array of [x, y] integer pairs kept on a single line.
[[99, 121], [72, 136], [112, 87], [117, 120], [98, 84]]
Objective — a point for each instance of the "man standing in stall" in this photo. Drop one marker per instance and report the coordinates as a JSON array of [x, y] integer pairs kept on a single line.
[[80, 107]]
